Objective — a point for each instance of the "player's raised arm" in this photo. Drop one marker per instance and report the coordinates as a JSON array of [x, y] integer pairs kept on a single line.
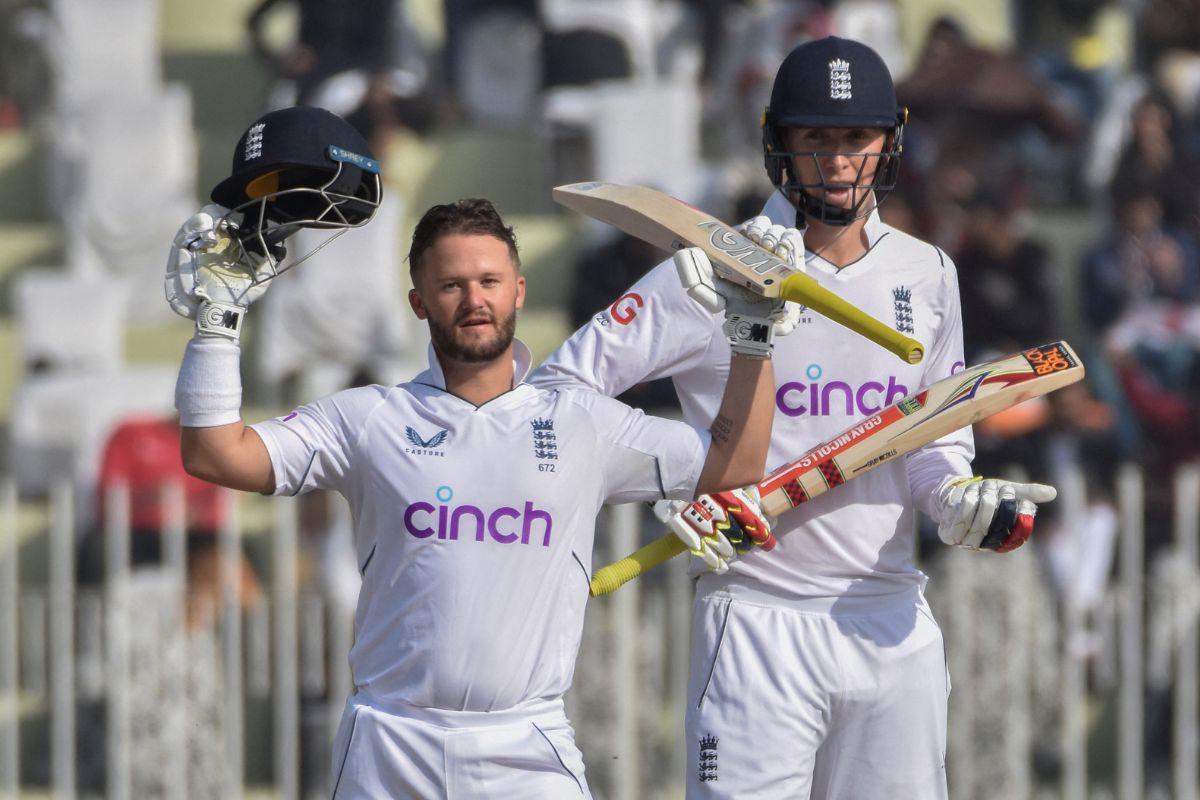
[[741, 430], [294, 168], [214, 284]]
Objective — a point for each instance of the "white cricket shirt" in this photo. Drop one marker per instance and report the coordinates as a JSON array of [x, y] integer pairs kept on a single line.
[[474, 526], [860, 537]]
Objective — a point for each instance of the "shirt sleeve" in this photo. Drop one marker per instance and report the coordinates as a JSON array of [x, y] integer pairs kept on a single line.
[[951, 454], [313, 446], [642, 457], [652, 331]]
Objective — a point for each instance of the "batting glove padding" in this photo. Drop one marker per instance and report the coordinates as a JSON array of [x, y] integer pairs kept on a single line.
[[697, 524], [210, 277], [717, 527], [989, 513], [751, 320], [748, 523]]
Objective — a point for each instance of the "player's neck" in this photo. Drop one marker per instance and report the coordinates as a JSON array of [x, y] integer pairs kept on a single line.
[[840, 245], [477, 383]]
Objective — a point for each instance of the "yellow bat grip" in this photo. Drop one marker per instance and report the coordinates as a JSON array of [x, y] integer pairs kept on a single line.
[[608, 579], [799, 288]]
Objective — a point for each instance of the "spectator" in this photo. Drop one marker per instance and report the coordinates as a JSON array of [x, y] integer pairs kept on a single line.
[[349, 35], [357, 58], [1155, 350], [1142, 259], [142, 453], [1156, 158], [1009, 296]]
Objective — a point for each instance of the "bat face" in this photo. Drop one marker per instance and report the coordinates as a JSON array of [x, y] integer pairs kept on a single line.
[[921, 418], [768, 271], [671, 224]]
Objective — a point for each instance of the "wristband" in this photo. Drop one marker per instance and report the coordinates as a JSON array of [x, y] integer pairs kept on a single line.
[[209, 389]]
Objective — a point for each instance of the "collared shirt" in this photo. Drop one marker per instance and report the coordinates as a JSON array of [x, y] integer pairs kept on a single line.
[[474, 524], [521, 362], [860, 537]]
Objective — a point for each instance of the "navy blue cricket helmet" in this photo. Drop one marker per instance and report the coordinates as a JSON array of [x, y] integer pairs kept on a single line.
[[832, 83]]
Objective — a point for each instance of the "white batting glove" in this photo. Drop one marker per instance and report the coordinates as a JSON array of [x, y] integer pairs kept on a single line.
[[788, 245], [988, 513], [717, 527], [696, 524], [751, 320], [210, 276]]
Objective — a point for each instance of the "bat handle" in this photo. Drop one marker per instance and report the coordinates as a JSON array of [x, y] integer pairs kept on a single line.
[[608, 579], [800, 288]]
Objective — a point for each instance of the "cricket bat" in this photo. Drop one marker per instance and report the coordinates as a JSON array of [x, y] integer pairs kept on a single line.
[[906, 425], [671, 224]]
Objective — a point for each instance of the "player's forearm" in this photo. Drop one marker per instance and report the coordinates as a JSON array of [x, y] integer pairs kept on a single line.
[[228, 455], [216, 446], [741, 432]]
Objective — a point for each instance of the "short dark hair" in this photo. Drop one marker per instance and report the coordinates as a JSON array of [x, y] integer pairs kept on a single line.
[[473, 216]]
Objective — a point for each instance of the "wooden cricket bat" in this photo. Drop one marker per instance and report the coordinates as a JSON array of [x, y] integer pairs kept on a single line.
[[904, 426], [672, 224]]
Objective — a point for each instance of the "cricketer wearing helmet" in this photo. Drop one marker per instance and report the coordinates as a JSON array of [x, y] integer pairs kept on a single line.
[[474, 494], [817, 669]]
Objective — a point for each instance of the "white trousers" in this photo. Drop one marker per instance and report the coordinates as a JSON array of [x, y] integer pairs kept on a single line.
[[389, 751], [841, 699]]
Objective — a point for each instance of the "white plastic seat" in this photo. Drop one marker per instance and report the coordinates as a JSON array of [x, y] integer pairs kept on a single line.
[[67, 321], [626, 125], [136, 183]]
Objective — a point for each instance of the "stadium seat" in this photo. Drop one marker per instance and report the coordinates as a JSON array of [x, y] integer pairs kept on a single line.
[[633, 22], [500, 69], [67, 322], [94, 48], [135, 184], [619, 119]]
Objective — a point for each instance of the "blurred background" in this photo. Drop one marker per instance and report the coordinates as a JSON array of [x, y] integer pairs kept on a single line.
[[161, 638]]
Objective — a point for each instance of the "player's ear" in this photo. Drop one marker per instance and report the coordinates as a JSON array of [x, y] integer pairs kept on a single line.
[[520, 291], [417, 304]]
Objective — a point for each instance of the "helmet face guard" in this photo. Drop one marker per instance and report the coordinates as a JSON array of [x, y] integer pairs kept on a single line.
[[809, 198]]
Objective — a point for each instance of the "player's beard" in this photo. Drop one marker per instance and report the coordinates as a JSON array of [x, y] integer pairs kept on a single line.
[[448, 342]]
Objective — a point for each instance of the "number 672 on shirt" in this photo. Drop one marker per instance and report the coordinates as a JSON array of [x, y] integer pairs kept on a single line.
[[908, 424]]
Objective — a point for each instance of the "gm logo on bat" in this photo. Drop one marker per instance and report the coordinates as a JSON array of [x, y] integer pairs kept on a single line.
[[745, 251]]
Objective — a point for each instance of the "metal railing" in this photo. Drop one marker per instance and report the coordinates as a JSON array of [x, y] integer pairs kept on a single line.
[[1025, 678]]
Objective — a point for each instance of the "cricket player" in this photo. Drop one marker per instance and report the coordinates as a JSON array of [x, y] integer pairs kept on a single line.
[[474, 496], [817, 669]]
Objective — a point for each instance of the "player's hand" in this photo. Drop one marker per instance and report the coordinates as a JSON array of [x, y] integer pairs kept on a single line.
[[211, 278], [988, 513], [788, 245], [751, 320], [717, 527]]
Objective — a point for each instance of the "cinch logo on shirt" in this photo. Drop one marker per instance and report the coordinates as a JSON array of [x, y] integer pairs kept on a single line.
[[506, 525], [817, 399]]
